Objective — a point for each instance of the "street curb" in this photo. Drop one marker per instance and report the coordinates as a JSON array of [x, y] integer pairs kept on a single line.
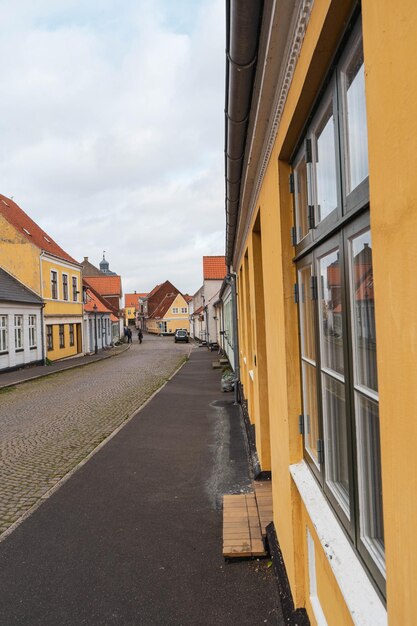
[[94, 451], [63, 369]]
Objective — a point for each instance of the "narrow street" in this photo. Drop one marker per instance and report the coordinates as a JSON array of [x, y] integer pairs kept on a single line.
[[49, 425], [134, 536]]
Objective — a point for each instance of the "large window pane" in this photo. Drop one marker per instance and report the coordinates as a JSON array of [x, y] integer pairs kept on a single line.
[[325, 165], [369, 477], [330, 307], [306, 314], [356, 127], [363, 311], [335, 440], [311, 422], [301, 198]]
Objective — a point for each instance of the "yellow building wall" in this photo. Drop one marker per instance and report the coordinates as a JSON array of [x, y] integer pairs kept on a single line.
[[67, 350], [62, 309], [174, 321], [327, 22], [390, 46], [55, 307], [19, 257], [130, 312]]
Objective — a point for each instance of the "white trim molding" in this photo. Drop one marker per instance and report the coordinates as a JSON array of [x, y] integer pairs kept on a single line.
[[362, 600]]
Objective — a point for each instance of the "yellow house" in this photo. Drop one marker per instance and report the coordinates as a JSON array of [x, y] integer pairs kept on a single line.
[[33, 257], [321, 233], [169, 315]]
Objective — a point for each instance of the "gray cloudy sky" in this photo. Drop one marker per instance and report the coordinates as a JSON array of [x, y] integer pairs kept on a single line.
[[112, 130]]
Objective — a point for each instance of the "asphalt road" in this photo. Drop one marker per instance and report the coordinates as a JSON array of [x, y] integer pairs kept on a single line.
[[49, 425], [134, 537]]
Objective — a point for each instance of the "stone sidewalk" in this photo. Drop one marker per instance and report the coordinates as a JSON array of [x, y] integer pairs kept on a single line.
[[32, 372]]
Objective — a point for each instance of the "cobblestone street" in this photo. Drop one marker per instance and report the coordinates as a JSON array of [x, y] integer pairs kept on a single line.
[[49, 425]]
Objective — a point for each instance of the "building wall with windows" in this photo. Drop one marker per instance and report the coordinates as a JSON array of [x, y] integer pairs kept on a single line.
[[63, 314], [20, 323], [324, 254], [20, 335], [170, 316]]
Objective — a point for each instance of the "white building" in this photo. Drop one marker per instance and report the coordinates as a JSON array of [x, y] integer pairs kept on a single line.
[[21, 341]]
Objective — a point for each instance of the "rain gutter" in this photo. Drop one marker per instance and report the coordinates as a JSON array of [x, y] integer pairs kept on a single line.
[[243, 22]]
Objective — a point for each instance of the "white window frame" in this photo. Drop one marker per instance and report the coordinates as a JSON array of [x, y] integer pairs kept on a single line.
[[32, 326], [49, 346], [65, 287], [54, 282], [18, 332], [4, 333], [74, 288]]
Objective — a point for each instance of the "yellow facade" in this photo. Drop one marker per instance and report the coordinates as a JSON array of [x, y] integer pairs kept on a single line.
[[176, 317], [268, 319], [27, 263], [130, 313], [19, 256], [63, 308]]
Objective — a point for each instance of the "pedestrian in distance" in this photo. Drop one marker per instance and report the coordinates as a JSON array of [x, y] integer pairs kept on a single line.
[[140, 335], [129, 336]]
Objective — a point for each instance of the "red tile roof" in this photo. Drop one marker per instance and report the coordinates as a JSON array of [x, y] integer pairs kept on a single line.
[[93, 300], [154, 290], [29, 229], [132, 299], [98, 297], [214, 267], [106, 285], [163, 306]]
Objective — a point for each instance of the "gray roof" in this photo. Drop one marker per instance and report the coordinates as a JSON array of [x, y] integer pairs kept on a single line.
[[13, 291]]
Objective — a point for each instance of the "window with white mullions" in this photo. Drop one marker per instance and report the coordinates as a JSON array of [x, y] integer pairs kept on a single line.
[[4, 344], [18, 332], [54, 285], [65, 286], [32, 331]]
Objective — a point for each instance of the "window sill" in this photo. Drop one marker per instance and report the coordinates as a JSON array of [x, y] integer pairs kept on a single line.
[[19, 350], [360, 596], [33, 347]]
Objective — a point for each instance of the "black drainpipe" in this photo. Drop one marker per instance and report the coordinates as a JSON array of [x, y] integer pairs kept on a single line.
[[243, 21]]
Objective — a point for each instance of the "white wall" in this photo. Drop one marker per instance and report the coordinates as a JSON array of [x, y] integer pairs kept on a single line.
[[13, 358]]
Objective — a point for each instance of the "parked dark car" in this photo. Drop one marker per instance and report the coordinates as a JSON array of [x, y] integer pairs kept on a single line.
[[181, 335]]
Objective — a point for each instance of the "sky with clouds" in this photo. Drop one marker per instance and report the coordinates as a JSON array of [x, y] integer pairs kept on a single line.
[[112, 130]]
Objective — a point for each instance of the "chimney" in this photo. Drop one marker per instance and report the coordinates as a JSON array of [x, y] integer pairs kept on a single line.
[[86, 259]]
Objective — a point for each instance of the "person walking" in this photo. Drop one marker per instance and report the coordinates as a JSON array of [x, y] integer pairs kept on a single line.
[[129, 336], [140, 335]]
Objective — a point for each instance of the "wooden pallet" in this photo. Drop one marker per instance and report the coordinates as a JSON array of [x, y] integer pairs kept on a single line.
[[244, 521], [263, 493]]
